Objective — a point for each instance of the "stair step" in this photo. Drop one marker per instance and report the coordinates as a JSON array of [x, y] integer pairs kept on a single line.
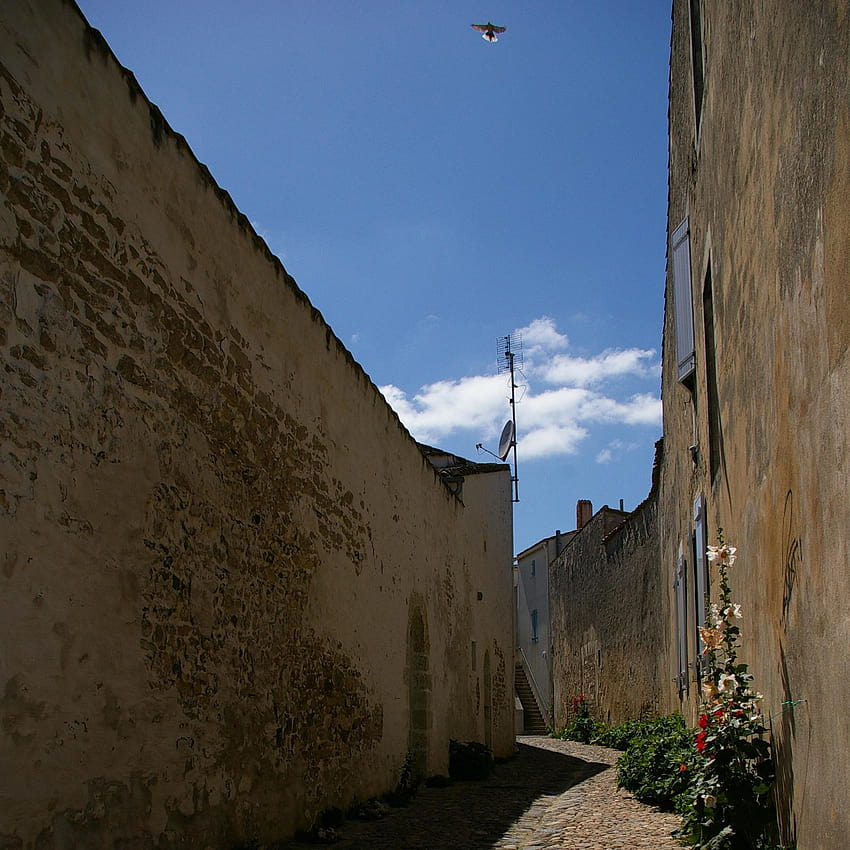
[[533, 722]]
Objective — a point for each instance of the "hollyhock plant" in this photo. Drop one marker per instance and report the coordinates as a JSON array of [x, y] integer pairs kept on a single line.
[[730, 806]]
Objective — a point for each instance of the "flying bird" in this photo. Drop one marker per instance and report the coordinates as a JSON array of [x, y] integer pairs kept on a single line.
[[489, 31]]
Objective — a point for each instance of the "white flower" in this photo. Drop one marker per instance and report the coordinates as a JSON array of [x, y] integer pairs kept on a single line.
[[710, 801], [734, 610], [722, 554], [716, 616], [727, 682]]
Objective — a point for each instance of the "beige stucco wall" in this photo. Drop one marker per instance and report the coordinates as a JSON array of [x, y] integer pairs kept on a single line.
[[234, 593], [766, 184]]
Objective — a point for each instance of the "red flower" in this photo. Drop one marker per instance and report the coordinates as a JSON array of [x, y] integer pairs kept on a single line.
[[682, 768], [703, 721], [701, 741]]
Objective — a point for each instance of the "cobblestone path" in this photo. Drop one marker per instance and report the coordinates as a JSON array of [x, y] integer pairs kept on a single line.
[[555, 795]]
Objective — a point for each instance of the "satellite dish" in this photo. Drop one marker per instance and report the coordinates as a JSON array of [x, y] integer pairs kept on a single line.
[[507, 439]]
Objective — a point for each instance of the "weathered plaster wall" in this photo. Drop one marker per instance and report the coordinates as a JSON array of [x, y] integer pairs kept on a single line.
[[766, 184], [234, 591], [606, 635]]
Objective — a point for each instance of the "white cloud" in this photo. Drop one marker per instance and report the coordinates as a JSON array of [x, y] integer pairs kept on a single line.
[[542, 335], [551, 440], [477, 403], [582, 371], [615, 449], [553, 421]]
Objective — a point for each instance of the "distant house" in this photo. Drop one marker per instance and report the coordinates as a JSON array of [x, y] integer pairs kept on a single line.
[[533, 642], [756, 374]]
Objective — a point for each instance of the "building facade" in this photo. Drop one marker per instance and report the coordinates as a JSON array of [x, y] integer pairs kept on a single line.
[[235, 592], [608, 632], [756, 373], [533, 639]]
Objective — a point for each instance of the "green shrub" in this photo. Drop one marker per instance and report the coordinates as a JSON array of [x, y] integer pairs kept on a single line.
[[620, 737], [582, 727], [659, 763]]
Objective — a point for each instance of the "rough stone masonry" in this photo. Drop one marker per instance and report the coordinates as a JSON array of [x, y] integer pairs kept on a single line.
[[215, 532]]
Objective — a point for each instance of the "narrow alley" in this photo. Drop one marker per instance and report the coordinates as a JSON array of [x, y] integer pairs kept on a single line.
[[554, 795]]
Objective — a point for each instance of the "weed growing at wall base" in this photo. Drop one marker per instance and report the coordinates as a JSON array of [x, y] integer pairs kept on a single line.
[[582, 727]]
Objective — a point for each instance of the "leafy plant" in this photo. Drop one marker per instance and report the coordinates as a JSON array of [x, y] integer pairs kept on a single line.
[[622, 735], [659, 763], [407, 786], [729, 805], [582, 727]]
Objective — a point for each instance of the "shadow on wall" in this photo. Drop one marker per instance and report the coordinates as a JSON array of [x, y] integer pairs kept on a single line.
[[470, 814]]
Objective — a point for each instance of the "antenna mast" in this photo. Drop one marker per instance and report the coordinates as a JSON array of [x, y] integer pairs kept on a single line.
[[508, 356]]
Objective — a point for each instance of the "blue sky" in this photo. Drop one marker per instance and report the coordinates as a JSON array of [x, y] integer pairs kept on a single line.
[[432, 192]]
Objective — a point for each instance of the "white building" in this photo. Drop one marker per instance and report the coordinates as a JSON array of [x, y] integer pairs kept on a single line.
[[533, 675]]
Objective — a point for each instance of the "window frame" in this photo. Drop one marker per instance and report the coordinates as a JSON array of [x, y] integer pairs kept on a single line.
[[701, 578], [680, 605]]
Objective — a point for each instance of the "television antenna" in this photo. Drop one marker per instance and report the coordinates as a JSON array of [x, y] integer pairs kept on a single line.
[[508, 359]]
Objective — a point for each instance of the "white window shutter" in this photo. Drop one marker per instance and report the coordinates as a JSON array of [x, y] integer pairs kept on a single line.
[[680, 249]]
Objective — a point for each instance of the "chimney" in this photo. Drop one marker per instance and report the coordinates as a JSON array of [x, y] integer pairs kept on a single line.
[[584, 511], [557, 542]]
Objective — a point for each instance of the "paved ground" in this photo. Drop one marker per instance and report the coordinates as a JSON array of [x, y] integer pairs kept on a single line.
[[555, 795]]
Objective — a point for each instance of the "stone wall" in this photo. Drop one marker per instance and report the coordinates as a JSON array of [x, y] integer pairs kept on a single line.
[[759, 431], [607, 635], [234, 591]]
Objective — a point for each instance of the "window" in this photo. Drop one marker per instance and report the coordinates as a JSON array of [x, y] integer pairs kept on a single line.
[[533, 567], [681, 605], [700, 545], [534, 635], [713, 405], [697, 61], [680, 251]]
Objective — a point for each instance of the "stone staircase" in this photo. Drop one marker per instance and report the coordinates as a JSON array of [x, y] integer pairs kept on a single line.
[[533, 722]]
